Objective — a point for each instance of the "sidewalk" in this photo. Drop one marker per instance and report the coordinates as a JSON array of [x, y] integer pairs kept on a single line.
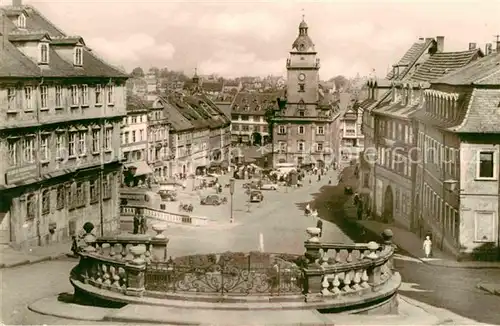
[[10, 257]]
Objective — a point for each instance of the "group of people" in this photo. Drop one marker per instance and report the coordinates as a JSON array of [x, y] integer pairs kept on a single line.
[[140, 223]]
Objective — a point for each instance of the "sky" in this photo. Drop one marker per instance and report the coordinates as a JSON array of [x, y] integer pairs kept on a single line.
[[253, 38]]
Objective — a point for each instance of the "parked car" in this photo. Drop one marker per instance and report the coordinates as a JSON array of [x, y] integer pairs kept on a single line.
[[214, 200], [168, 195], [256, 196], [269, 186]]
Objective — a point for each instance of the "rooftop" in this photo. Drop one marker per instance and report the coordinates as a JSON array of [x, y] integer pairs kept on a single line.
[[254, 103], [485, 71], [410, 57], [16, 64]]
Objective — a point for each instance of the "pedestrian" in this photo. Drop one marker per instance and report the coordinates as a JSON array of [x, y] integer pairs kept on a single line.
[[319, 225], [427, 246], [137, 221], [143, 225]]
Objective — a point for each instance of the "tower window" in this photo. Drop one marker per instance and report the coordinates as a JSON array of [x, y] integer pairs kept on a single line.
[[302, 88], [21, 21]]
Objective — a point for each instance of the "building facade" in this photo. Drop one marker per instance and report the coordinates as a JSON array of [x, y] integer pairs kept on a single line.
[[395, 133], [457, 185], [60, 119], [302, 132], [249, 124]]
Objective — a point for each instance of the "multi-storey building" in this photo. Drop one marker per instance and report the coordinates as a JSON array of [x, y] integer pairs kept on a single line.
[[458, 184], [134, 143], [60, 117], [302, 130], [158, 138], [395, 134], [249, 124], [379, 95]]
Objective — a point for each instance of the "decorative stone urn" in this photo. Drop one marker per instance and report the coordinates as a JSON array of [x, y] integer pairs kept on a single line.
[[372, 246], [159, 228], [313, 233], [138, 251]]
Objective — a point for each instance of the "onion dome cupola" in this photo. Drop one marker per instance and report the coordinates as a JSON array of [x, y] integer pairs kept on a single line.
[[303, 42]]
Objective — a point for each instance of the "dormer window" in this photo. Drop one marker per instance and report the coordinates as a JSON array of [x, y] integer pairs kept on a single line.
[[78, 56], [21, 21], [44, 53]]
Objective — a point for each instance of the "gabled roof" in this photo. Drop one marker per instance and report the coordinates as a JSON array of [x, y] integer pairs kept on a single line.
[[410, 57], [483, 113], [16, 64], [485, 71], [136, 103], [442, 63], [212, 86]]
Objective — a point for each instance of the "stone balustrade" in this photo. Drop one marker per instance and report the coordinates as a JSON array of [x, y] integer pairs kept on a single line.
[[327, 276], [164, 216]]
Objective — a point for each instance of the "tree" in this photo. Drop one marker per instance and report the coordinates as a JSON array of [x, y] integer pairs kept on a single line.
[[340, 81], [154, 71], [164, 73], [137, 72]]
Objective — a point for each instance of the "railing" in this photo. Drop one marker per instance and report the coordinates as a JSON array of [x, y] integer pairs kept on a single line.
[[163, 216], [329, 274]]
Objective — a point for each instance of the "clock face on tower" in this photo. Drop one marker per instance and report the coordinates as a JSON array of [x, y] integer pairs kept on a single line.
[[302, 47], [302, 76]]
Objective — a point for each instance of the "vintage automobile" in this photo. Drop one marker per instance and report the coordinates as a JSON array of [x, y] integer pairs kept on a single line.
[[256, 196], [168, 195], [269, 186], [214, 200]]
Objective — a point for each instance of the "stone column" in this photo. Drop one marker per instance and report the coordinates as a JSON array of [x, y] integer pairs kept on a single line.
[[374, 272], [159, 243], [312, 279], [136, 268]]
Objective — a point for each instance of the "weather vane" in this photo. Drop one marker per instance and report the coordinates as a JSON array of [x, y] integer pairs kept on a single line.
[[303, 15]]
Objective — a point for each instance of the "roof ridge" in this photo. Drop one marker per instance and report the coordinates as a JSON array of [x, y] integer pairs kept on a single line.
[[496, 70]]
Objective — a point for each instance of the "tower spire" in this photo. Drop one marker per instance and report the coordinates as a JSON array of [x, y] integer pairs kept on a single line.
[[303, 15]]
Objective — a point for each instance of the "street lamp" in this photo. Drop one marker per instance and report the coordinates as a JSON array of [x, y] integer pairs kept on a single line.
[[231, 191]]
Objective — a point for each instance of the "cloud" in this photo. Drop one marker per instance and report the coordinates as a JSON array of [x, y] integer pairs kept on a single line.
[[132, 50]]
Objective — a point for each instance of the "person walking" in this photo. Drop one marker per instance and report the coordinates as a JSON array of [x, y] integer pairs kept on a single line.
[[143, 225], [427, 246], [319, 225]]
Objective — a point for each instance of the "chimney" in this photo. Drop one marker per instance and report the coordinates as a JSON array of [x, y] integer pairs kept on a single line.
[[440, 43], [472, 46], [17, 3], [488, 49]]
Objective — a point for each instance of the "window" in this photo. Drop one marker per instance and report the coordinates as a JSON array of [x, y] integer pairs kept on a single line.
[[141, 135], [11, 98], [134, 134], [85, 95], [302, 113], [127, 134], [80, 199], [94, 191], [60, 145], [108, 139], [302, 88], [321, 130], [44, 95], [98, 94], [30, 207], [21, 21], [486, 165], [281, 130], [301, 130], [28, 98], [74, 95], [300, 146], [82, 142], [78, 56], [29, 149], [319, 147], [282, 146], [96, 140], [44, 53], [59, 96], [44, 148], [111, 94], [60, 197], [45, 201], [13, 158], [106, 187], [72, 144]]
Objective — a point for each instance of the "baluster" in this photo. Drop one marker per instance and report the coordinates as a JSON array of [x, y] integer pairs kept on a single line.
[[333, 255], [115, 278], [325, 285], [112, 250], [347, 282], [357, 280], [106, 276], [364, 280], [348, 259], [336, 284], [100, 273], [338, 256], [123, 277]]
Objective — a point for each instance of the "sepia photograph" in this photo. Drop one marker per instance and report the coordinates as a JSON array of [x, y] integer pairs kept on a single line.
[[249, 162]]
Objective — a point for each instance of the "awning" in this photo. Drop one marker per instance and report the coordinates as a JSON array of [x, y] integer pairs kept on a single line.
[[141, 168]]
